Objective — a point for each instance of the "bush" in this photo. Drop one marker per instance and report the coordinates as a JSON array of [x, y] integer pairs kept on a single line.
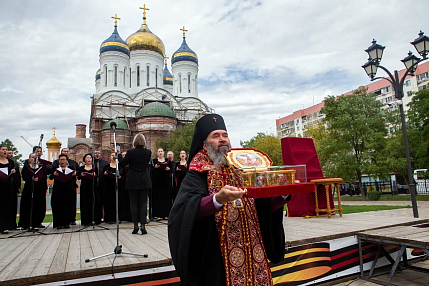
[[374, 196]]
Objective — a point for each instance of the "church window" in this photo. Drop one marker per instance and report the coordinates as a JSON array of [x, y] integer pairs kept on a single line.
[[105, 75], [125, 72], [115, 76], [189, 83], [180, 83], [138, 75], [156, 77], [196, 83], [147, 75]]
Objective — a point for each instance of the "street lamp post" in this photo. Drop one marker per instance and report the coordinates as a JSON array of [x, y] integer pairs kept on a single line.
[[375, 52]]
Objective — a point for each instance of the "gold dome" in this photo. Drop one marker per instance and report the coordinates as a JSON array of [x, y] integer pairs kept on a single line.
[[144, 39], [54, 142]]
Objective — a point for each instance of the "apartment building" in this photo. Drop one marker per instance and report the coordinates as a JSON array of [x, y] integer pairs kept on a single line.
[[296, 124]]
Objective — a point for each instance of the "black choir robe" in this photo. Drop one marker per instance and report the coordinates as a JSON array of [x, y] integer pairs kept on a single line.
[[62, 195], [7, 194], [87, 201], [194, 244], [162, 196]]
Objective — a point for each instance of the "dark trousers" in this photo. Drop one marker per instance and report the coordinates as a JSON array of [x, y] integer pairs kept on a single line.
[[138, 201]]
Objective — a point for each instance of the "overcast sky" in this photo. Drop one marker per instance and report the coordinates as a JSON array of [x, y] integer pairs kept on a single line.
[[258, 60]]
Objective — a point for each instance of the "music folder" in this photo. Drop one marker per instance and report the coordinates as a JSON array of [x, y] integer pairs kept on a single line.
[[4, 174], [182, 167], [45, 163], [87, 175], [36, 174], [162, 165], [67, 175]]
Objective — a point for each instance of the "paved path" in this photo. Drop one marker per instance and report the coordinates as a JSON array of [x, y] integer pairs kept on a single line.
[[420, 204]]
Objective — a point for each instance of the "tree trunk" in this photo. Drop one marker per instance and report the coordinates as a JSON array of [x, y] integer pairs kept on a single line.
[[362, 190]]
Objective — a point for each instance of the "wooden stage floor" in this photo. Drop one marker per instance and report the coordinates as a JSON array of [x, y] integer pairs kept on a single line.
[[60, 255]]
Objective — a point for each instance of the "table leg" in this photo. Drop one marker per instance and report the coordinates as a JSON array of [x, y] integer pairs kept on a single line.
[[328, 204], [340, 209], [317, 203], [398, 259], [360, 257]]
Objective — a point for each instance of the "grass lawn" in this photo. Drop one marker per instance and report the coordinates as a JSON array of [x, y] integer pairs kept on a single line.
[[360, 209], [48, 218], [387, 197]]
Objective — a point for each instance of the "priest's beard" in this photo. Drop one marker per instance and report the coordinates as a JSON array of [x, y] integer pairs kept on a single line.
[[216, 154]]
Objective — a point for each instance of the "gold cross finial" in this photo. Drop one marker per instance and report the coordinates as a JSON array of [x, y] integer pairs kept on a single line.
[[116, 19], [144, 11], [165, 59], [54, 130], [214, 118], [184, 31]]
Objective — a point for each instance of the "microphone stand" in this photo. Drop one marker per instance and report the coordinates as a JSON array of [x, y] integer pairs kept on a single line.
[[30, 226], [93, 224], [118, 248]]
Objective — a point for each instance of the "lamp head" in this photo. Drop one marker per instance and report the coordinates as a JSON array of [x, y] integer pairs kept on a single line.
[[409, 61], [370, 68], [422, 44], [375, 51]]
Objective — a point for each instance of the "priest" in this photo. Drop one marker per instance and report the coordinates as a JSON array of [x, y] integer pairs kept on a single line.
[[217, 235]]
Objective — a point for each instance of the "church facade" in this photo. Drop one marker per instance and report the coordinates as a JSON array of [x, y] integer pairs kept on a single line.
[[135, 88]]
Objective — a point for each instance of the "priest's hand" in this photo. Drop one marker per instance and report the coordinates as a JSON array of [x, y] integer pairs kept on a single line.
[[228, 193]]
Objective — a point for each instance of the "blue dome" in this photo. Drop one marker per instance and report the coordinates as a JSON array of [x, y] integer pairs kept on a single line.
[[184, 53], [168, 77], [98, 75], [114, 43]]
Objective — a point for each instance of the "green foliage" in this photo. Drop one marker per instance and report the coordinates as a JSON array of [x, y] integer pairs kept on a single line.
[[418, 129], [374, 196], [268, 144], [10, 146], [179, 140], [355, 136]]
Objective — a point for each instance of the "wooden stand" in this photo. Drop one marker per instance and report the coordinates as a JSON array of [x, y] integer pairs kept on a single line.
[[327, 182]]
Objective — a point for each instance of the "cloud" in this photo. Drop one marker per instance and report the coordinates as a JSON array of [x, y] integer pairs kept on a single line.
[[258, 60]]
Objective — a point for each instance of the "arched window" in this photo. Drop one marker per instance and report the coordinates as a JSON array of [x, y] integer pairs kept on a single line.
[[156, 77], [115, 75], [189, 83], [125, 72], [138, 75], [147, 75], [180, 83], [196, 83], [105, 75]]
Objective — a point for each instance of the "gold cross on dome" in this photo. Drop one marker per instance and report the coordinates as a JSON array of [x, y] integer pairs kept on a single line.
[[116, 19], [54, 130], [214, 118], [165, 59], [144, 10], [184, 31]]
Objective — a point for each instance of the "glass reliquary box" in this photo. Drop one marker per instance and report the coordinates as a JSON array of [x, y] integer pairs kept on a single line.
[[256, 170]]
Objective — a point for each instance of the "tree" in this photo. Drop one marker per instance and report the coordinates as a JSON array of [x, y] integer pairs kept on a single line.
[[418, 129], [10, 146], [268, 144], [356, 136], [178, 140]]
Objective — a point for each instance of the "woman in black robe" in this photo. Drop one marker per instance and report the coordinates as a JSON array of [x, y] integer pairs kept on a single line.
[[181, 169], [86, 174], [161, 186], [62, 194], [109, 192], [124, 198], [34, 176], [7, 215]]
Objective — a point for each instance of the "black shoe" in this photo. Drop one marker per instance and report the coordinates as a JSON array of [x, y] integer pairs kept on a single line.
[[73, 223], [41, 226], [143, 229], [135, 230]]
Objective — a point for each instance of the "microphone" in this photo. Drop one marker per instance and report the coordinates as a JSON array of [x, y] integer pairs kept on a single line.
[[41, 137], [113, 125]]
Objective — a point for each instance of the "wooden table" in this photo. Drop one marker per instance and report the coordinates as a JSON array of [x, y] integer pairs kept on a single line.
[[326, 183], [402, 236]]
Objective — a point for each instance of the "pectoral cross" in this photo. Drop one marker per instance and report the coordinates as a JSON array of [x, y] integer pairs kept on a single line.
[[214, 118], [144, 11], [184, 31], [116, 19], [165, 59]]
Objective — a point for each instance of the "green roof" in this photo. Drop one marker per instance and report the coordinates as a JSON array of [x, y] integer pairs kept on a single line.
[[120, 124], [157, 109]]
